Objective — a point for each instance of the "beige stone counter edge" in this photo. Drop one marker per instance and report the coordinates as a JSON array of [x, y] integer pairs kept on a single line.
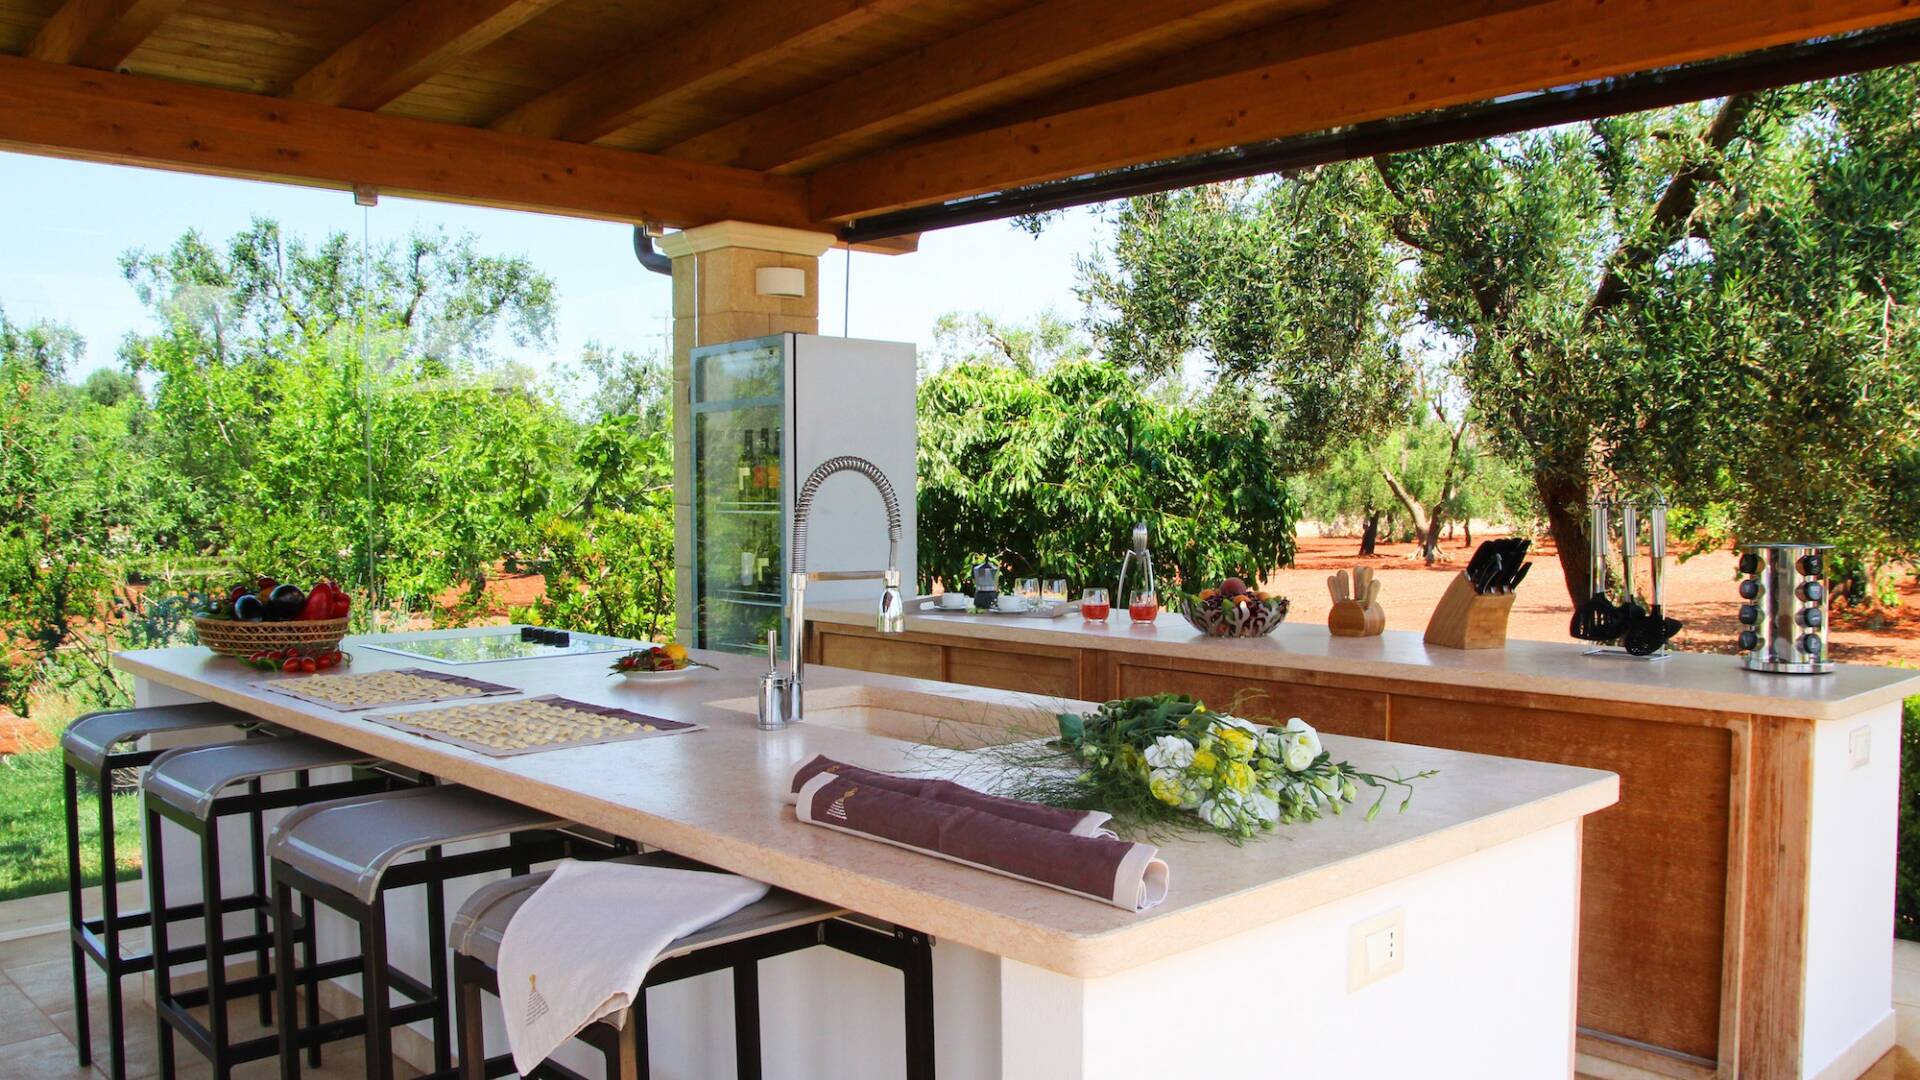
[[1089, 955], [1806, 696]]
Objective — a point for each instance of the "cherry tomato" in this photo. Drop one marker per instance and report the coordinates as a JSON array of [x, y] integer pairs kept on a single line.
[[308, 666], [291, 663]]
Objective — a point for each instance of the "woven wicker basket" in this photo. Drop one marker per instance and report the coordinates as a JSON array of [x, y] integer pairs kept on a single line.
[[230, 638]]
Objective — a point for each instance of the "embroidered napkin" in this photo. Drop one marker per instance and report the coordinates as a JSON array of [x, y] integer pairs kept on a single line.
[[580, 947]]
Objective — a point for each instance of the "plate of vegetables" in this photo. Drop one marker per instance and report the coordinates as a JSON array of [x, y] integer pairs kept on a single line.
[[656, 663]]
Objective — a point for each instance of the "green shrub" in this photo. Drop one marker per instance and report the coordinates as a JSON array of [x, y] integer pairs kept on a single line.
[[1906, 903]]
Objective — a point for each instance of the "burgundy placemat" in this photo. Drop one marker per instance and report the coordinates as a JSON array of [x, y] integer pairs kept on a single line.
[[355, 692], [531, 725]]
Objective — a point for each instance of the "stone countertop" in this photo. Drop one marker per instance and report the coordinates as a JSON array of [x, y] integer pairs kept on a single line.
[[716, 795], [1683, 681]]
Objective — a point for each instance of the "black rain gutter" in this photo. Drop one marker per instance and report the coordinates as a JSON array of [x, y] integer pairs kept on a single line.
[[1784, 66], [649, 258]]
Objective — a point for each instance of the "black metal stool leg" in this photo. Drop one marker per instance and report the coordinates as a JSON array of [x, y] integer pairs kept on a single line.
[[215, 923], [76, 916], [309, 946], [156, 870], [746, 1020], [110, 930], [283, 979], [258, 834], [918, 969], [469, 1023], [373, 990], [437, 967]]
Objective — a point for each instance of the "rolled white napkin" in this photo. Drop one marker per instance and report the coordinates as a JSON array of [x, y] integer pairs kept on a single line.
[[580, 948]]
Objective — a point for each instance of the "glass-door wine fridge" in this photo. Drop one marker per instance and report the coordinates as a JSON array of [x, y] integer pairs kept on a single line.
[[765, 413]]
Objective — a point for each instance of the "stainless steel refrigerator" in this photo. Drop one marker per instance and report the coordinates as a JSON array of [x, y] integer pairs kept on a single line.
[[766, 412]]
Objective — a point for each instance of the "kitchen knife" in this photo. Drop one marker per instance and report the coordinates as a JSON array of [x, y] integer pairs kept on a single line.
[[1518, 576]]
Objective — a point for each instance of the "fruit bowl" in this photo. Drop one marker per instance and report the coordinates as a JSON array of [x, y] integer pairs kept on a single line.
[[233, 637], [1246, 614]]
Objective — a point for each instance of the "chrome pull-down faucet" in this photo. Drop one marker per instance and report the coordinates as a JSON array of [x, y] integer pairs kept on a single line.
[[783, 694]]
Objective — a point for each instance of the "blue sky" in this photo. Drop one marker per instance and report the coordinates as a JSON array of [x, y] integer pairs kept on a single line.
[[68, 222]]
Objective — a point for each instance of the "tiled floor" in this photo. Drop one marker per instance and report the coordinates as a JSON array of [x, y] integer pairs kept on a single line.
[[37, 1024]]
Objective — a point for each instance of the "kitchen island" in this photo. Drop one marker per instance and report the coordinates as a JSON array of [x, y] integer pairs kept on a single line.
[[1736, 905], [1255, 946]]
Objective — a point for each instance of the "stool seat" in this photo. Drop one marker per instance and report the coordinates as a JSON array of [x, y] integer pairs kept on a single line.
[[483, 919], [192, 777], [91, 738], [350, 843]]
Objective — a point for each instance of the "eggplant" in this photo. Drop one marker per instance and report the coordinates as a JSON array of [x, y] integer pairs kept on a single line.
[[249, 608], [285, 602]]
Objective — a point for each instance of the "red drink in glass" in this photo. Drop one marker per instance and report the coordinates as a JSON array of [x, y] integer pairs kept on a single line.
[[1094, 606], [1144, 607]]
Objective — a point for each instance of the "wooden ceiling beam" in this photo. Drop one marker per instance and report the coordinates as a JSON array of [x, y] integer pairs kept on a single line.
[[685, 61], [407, 47], [949, 76], [99, 33], [1360, 76], [65, 111]]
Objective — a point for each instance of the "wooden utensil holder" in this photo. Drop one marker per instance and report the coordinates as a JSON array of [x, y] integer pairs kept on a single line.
[[1464, 619], [1351, 618]]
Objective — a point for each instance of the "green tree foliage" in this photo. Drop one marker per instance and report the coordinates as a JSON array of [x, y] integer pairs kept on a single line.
[[1047, 472], [332, 410], [1275, 288], [979, 338]]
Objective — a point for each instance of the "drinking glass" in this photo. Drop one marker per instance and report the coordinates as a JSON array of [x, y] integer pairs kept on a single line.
[[1028, 589], [1054, 590], [1094, 605], [1144, 606]]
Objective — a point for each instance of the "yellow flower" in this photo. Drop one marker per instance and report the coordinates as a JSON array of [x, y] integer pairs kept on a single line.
[[1239, 743], [1239, 776], [1204, 761], [1165, 787]]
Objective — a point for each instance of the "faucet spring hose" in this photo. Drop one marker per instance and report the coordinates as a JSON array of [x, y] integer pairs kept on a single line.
[[803, 503]]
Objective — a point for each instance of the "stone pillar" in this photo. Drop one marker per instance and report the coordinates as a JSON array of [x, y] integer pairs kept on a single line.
[[716, 298]]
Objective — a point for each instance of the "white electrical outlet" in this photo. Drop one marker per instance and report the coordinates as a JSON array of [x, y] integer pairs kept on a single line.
[[1860, 745], [1376, 948]]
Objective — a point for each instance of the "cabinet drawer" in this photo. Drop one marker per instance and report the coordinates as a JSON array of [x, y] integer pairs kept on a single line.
[[886, 655], [1028, 672], [1335, 711]]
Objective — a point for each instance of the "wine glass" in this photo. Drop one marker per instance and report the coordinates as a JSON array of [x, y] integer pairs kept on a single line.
[[1143, 605], [1094, 605]]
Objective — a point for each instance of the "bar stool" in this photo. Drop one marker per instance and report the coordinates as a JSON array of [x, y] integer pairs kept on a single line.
[[87, 749], [346, 854], [781, 922], [184, 786]]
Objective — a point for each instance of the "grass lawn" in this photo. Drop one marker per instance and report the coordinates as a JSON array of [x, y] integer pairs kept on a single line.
[[33, 831]]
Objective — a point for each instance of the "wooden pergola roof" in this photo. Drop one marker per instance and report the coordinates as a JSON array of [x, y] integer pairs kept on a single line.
[[805, 113]]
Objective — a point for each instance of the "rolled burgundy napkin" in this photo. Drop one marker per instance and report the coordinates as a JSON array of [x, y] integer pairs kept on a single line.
[[1118, 872], [1076, 822]]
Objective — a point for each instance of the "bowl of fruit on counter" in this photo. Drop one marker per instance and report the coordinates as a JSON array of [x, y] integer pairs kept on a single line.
[[266, 615], [1234, 610], [656, 663]]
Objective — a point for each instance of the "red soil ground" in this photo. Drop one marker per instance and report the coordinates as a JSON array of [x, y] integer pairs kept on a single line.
[[1700, 593]]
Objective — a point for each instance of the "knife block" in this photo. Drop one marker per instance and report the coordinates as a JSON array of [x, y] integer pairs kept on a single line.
[[1464, 619], [1351, 618]]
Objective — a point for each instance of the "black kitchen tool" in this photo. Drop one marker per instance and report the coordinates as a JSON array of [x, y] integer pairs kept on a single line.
[[1519, 575]]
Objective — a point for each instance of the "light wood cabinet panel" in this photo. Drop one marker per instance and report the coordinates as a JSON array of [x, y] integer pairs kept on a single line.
[[1654, 877], [1336, 711], [889, 655], [1027, 671]]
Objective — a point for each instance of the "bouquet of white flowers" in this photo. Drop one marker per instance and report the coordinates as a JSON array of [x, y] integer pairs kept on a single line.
[[1238, 777]]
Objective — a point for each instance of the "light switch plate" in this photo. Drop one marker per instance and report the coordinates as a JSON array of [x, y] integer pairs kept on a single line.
[[1860, 745], [1376, 948]]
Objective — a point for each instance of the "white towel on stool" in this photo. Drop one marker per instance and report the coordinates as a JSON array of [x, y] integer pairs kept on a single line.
[[580, 947]]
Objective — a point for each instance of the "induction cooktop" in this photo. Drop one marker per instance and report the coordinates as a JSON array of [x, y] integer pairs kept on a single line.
[[492, 644]]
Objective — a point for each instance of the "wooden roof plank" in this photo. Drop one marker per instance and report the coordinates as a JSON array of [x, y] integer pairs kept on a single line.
[[66, 111], [99, 33], [699, 54], [407, 47], [947, 76], [1513, 49]]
